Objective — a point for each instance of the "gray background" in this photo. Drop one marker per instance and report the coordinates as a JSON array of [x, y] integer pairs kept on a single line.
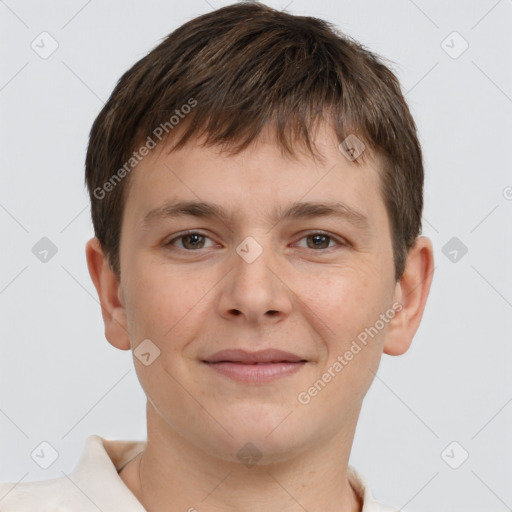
[[61, 381]]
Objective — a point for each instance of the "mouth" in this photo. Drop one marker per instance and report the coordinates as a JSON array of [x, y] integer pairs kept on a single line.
[[255, 367]]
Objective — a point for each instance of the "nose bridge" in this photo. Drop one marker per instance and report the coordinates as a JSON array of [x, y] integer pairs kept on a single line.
[[252, 289]]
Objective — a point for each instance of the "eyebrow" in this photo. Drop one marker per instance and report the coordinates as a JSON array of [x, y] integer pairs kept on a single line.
[[298, 210]]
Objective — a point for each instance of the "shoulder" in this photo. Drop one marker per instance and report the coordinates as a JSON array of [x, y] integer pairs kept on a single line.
[[93, 485], [44, 495], [362, 488]]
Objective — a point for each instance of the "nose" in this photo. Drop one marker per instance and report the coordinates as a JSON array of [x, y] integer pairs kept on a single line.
[[255, 289]]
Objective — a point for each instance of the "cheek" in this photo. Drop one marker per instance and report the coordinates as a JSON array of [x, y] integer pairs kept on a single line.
[[151, 307], [342, 308], [163, 302], [343, 298], [345, 308]]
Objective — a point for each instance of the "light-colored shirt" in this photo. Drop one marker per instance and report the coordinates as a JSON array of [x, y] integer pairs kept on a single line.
[[95, 485]]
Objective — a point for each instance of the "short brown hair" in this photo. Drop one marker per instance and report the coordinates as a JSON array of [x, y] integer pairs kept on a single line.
[[246, 66]]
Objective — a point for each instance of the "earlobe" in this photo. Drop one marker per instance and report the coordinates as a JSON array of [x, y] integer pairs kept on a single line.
[[110, 295], [411, 293]]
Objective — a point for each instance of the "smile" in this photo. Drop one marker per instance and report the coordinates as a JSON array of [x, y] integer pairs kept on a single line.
[[255, 367]]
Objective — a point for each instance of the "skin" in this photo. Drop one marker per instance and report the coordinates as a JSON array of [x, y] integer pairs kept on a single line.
[[191, 302]]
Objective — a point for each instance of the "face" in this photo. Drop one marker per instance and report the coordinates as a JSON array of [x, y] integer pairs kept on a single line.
[[308, 283]]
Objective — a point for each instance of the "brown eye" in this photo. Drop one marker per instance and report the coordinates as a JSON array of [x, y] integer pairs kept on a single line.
[[318, 241], [189, 241], [193, 241]]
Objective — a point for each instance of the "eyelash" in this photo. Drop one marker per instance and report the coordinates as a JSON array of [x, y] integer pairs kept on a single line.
[[312, 233]]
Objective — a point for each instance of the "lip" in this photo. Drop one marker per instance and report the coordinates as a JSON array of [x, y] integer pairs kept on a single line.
[[255, 367], [270, 355]]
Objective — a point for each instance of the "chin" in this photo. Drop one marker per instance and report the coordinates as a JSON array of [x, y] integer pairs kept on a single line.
[[271, 436], [257, 450]]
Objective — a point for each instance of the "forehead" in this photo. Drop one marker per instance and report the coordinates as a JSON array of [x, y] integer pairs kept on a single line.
[[255, 178]]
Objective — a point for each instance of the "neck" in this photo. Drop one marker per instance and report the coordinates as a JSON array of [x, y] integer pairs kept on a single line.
[[171, 474]]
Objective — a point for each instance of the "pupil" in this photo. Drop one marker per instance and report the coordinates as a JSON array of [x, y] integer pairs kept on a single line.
[[318, 238], [195, 239]]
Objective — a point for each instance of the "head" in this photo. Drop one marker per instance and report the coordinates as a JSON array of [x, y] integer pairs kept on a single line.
[[254, 111]]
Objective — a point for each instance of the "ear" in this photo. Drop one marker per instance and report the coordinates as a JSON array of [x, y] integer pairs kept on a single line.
[[411, 292], [110, 294]]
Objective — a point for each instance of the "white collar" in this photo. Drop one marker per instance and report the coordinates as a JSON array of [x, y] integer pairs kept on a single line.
[[95, 484]]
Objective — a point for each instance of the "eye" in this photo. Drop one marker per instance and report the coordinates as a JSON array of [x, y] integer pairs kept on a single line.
[[194, 240], [190, 241], [320, 240]]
